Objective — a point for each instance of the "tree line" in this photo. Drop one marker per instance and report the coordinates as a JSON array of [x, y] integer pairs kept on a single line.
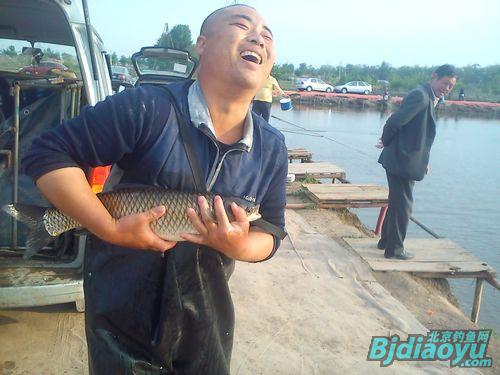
[[479, 83]]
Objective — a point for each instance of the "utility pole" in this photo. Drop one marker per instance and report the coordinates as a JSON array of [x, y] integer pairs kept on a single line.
[[166, 31]]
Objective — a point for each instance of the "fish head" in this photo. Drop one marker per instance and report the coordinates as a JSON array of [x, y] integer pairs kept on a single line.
[[251, 209]]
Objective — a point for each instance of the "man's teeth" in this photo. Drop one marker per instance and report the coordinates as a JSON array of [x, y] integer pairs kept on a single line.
[[247, 54]]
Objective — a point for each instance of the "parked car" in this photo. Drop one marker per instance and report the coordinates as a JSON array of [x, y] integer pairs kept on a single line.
[[161, 65], [121, 76], [43, 68], [30, 105], [356, 87], [313, 84]]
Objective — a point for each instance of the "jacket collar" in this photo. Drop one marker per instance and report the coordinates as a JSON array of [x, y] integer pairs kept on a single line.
[[200, 115], [432, 97]]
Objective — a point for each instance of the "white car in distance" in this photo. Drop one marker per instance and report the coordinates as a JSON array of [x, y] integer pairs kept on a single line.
[[355, 87], [313, 84]]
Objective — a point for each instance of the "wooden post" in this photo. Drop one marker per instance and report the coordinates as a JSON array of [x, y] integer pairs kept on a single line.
[[478, 294], [380, 220]]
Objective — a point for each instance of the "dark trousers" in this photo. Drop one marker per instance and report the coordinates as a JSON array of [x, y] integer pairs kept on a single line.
[[398, 214], [262, 109]]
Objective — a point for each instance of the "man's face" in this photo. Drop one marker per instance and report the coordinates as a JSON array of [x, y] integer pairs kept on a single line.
[[442, 86], [237, 48]]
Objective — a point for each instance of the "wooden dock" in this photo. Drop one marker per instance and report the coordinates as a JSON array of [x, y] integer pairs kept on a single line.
[[299, 154], [434, 258], [316, 170], [347, 195]]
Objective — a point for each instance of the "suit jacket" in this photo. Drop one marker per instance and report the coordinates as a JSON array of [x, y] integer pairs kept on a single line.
[[408, 135]]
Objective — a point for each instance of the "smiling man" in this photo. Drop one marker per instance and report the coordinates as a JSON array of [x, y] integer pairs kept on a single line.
[[149, 310], [406, 141]]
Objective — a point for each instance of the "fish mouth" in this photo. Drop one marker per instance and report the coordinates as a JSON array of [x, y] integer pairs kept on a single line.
[[251, 56]]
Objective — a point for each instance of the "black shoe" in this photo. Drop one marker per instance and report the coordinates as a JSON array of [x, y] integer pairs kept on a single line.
[[381, 245], [405, 255]]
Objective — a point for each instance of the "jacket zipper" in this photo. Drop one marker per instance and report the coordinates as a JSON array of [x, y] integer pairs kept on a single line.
[[219, 159]]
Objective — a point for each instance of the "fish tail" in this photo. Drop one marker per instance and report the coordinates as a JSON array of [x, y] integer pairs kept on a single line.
[[32, 216]]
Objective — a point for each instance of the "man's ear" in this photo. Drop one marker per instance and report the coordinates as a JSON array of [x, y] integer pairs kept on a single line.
[[200, 44], [434, 76]]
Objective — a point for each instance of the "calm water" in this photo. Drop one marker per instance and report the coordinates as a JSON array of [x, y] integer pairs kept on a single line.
[[459, 199]]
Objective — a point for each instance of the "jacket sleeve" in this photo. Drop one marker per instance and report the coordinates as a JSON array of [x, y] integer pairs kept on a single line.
[[100, 135], [411, 105], [274, 202]]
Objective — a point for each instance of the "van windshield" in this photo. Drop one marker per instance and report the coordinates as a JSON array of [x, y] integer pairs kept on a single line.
[[45, 59]]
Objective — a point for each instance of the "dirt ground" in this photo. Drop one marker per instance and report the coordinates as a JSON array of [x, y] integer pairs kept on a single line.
[[312, 309], [429, 300]]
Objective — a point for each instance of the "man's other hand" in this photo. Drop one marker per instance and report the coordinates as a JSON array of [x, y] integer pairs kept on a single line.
[[230, 238]]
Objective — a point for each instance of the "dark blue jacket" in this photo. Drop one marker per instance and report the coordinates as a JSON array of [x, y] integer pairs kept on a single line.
[[147, 312]]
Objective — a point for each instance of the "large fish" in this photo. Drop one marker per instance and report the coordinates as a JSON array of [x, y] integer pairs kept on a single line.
[[48, 223]]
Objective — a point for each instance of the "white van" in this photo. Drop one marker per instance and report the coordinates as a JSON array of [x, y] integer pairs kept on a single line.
[[52, 63]]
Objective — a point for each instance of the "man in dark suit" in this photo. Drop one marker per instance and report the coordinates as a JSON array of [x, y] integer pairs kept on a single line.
[[406, 141]]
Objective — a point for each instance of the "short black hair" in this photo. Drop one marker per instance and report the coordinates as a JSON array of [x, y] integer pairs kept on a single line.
[[206, 21], [446, 70]]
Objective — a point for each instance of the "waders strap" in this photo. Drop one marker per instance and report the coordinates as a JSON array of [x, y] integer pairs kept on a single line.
[[199, 181]]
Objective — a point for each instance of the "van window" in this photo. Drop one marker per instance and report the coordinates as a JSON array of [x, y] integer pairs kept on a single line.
[[52, 59]]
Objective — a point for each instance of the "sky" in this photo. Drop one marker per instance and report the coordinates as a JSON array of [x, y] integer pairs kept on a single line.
[[319, 32]]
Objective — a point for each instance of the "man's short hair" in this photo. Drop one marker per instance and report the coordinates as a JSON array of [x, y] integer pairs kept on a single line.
[[446, 70], [207, 20]]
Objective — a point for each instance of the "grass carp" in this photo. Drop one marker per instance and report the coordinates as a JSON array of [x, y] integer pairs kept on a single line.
[[48, 223]]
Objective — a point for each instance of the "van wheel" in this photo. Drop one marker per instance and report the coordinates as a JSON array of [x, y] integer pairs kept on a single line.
[[367, 92], [309, 88], [344, 90], [328, 89]]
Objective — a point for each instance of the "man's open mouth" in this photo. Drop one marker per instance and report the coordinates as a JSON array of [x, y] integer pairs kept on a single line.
[[251, 56]]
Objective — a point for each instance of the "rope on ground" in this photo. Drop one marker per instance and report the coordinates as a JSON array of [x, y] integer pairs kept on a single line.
[[300, 257]]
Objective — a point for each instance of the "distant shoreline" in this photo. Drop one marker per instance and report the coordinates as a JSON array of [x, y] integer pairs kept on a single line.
[[358, 101]]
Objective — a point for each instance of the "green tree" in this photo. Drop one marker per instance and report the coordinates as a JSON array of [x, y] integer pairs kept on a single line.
[[384, 71], [114, 58], [124, 60], [48, 53], [283, 71], [10, 51], [179, 37], [305, 70]]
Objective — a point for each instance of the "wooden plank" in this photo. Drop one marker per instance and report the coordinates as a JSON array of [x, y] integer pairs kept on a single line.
[[395, 265], [345, 192], [432, 256], [347, 195], [299, 153], [316, 170], [352, 204], [461, 275], [425, 249]]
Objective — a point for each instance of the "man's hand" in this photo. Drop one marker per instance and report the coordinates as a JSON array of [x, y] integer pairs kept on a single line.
[[379, 144], [232, 239], [427, 169], [134, 231]]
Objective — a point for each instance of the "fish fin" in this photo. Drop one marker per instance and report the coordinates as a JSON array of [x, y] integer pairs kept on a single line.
[[32, 216]]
